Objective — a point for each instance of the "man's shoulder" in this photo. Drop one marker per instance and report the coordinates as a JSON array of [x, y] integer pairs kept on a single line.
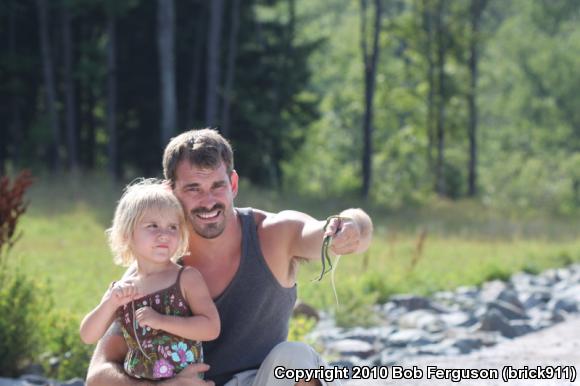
[[258, 214], [274, 221]]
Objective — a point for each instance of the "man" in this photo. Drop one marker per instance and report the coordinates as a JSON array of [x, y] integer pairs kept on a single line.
[[249, 260]]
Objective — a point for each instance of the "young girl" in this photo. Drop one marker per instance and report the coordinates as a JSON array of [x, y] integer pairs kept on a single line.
[[164, 310]]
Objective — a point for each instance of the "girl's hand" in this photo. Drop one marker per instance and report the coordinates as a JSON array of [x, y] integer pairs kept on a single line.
[[123, 292], [148, 317]]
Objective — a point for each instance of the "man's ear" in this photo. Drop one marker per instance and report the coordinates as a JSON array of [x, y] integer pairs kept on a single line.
[[234, 178]]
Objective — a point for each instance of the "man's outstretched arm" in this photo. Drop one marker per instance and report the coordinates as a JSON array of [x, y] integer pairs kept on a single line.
[[351, 232]]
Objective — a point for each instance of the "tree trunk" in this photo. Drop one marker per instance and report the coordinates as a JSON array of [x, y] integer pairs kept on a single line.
[[370, 67], [213, 61], [49, 84], [91, 143], [230, 71], [9, 136], [166, 45], [70, 95], [195, 73], [113, 164], [441, 189], [477, 7], [428, 26]]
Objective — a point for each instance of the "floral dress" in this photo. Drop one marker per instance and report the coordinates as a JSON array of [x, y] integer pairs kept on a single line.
[[156, 354]]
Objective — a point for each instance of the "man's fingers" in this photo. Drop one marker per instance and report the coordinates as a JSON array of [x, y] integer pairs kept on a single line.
[[191, 373], [197, 368], [333, 227], [345, 248]]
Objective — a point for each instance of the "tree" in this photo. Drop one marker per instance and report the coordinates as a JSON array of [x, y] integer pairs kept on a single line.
[[196, 69], [70, 94], [113, 157], [427, 24], [49, 83], [477, 7], [213, 61], [370, 67], [166, 46], [231, 64], [440, 186]]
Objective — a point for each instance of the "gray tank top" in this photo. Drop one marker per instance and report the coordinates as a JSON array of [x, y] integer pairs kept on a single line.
[[254, 311]]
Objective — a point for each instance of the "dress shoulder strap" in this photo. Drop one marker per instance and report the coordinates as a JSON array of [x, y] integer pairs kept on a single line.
[[177, 283]]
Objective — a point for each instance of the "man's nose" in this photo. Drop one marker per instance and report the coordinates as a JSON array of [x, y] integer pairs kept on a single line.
[[207, 201]]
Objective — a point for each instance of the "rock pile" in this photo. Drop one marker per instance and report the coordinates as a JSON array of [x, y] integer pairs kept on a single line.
[[454, 322]]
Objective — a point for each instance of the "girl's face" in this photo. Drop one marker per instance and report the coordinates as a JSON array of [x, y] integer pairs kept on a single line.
[[156, 236]]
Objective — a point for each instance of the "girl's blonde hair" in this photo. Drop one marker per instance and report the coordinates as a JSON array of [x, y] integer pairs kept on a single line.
[[138, 197]]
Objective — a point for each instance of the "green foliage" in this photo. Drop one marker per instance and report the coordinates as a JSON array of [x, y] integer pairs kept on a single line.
[[60, 339], [33, 330], [496, 272], [300, 326], [355, 305], [22, 306]]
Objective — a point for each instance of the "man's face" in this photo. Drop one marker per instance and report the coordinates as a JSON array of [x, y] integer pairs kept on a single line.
[[207, 196]]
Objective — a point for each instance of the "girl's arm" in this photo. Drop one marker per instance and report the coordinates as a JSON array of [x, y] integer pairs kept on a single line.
[[204, 325], [96, 323]]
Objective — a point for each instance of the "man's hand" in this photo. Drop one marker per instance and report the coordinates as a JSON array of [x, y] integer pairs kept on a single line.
[[351, 232], [148, 317], [190, 376]]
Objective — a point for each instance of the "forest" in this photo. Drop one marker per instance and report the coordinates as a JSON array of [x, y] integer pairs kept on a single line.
[[393, 101], [453, 123]]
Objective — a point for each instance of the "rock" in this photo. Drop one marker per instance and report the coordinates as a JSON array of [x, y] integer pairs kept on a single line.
[[458, 319], [535, 299], [423, 320], [352, 347], [522, 280], [493, 320], [510, 296], [567, 299], [390, 357], [33, 369], [491, 290], [306, 310], [467, 291], [74, 382], [466, 345], [413, 337], [37, 380], [12, 382], [412, 302], [521, 327], [509, 311], [457, 322], [563, 304], [341, 363], [558, 316], [369, 335], [436, 349]]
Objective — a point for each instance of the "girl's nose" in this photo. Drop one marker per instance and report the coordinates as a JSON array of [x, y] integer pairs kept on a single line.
[[164, 233]]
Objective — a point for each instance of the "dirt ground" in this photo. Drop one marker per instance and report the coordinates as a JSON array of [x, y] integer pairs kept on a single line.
[[557, 347]]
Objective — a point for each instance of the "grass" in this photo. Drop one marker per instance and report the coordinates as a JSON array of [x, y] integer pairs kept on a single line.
[[462, 243]]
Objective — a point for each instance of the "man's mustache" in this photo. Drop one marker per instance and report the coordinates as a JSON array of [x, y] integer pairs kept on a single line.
[[202, 210]]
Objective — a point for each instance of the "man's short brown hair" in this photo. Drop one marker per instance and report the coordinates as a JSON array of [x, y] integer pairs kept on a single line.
[[204, 148]]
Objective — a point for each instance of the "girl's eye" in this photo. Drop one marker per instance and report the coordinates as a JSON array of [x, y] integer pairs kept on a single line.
[[152, 226]]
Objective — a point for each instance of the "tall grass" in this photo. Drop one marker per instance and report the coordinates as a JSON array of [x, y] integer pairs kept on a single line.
[[417, 250]]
